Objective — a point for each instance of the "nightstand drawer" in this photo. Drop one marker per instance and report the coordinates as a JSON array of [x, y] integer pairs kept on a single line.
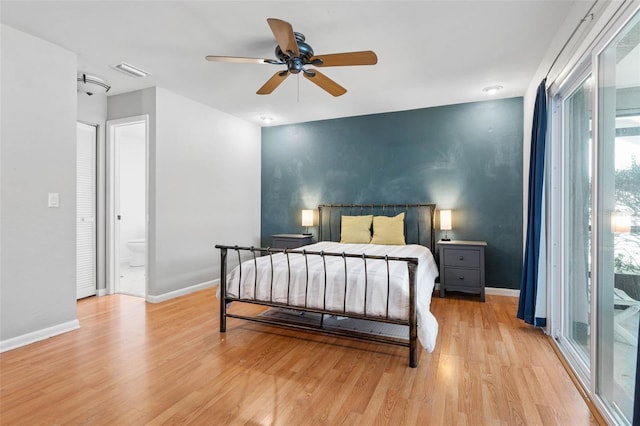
[[456, 277], [462, 258], [289, 241], [285, 243]]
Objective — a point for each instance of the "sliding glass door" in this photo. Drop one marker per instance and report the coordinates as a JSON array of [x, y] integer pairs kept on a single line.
[[597, 140], [618, 254]]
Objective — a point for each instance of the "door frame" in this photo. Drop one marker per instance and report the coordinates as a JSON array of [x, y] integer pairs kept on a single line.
[[112, 225]]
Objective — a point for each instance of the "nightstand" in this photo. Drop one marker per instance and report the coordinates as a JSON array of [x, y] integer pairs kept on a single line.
[[290, 240], [462, 266]]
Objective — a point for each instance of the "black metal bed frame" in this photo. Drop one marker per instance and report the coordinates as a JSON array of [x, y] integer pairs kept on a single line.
[[326, 212]]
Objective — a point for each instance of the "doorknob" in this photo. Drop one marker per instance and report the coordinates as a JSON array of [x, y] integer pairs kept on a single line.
[[119, 217]]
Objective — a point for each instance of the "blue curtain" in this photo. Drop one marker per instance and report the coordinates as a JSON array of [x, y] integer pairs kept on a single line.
[[535, 213]]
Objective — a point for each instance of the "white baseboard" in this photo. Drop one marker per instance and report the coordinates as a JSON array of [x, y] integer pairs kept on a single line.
[[101, 292], [35, 336], [494, 291], [497, 291], [177, 293]]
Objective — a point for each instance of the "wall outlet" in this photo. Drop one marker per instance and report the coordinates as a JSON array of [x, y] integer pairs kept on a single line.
[[54, 199]]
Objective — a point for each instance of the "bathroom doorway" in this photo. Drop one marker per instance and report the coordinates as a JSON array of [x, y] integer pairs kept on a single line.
[[127, 206]]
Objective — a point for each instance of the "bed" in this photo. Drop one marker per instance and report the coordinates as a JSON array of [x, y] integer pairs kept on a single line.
[[347, 274]]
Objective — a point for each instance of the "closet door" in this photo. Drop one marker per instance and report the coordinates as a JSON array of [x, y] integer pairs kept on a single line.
[[86, 211]]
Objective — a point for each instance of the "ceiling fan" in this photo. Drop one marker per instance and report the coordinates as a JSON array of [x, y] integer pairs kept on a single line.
[[293, 52]]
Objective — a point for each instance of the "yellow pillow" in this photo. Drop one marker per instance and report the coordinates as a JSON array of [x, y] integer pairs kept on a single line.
[[356, 229], [388, 230]]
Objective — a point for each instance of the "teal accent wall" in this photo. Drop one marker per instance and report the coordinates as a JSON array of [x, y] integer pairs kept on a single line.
[[464, 157]]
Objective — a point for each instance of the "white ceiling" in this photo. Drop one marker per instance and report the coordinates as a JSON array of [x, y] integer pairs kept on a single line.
[[429, 52]]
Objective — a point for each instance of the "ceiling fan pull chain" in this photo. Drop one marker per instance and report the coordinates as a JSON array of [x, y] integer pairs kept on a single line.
[[298, 94]]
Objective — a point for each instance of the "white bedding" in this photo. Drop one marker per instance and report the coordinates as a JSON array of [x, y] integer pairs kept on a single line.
[[376, 300]]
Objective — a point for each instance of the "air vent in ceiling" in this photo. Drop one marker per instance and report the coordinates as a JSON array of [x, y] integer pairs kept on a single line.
[[130, 70]]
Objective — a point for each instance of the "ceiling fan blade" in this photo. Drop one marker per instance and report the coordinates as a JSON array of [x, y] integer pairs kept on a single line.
[[326, 83], [365, 57], [213, 58], [272, 83], [283, 32]]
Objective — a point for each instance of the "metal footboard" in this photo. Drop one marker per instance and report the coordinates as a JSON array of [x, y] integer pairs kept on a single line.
[[411, 321]]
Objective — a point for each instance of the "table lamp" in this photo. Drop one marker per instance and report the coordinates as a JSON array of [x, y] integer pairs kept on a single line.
[[307, 220], [445, 223]]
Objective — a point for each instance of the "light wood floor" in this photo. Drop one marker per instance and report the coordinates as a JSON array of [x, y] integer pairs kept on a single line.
[[137, 363]]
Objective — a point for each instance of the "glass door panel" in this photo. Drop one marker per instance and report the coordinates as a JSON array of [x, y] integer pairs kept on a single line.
[[618, 210], [577, 213]]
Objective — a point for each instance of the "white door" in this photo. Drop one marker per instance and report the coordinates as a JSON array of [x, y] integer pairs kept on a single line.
[[86, 210]]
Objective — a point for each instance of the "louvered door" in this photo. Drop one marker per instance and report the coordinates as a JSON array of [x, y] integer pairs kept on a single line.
[[86, 211]]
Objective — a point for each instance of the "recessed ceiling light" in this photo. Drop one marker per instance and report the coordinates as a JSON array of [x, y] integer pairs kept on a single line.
[[266, 120], [492, 90], [131, 70]]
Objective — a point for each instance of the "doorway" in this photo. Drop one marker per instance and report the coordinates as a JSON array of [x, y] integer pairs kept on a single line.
[[127, 206]]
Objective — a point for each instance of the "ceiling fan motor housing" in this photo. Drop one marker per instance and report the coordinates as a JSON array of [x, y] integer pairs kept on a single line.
[[296, 64]]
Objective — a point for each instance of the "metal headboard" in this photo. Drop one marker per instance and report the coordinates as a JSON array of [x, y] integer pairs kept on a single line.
[[419, 220]]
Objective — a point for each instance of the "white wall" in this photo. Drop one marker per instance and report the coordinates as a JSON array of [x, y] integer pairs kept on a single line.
[[207, 189], [38, 156], [204, 187], [92, 109]]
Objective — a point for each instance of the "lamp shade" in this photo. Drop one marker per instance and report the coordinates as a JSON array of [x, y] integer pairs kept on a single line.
[[445, 220], [307, 217]]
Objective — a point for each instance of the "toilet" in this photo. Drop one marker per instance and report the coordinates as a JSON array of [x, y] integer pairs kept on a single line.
[[137, 248]]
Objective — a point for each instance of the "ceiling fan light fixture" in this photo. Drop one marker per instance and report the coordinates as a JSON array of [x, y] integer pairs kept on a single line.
[[492, 90], [130, 70], [90, 84]]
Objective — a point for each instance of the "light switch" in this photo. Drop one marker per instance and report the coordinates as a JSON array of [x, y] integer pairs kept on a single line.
[[54, 199]]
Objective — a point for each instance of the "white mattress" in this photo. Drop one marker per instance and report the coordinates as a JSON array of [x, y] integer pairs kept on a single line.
[[376, 298]]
